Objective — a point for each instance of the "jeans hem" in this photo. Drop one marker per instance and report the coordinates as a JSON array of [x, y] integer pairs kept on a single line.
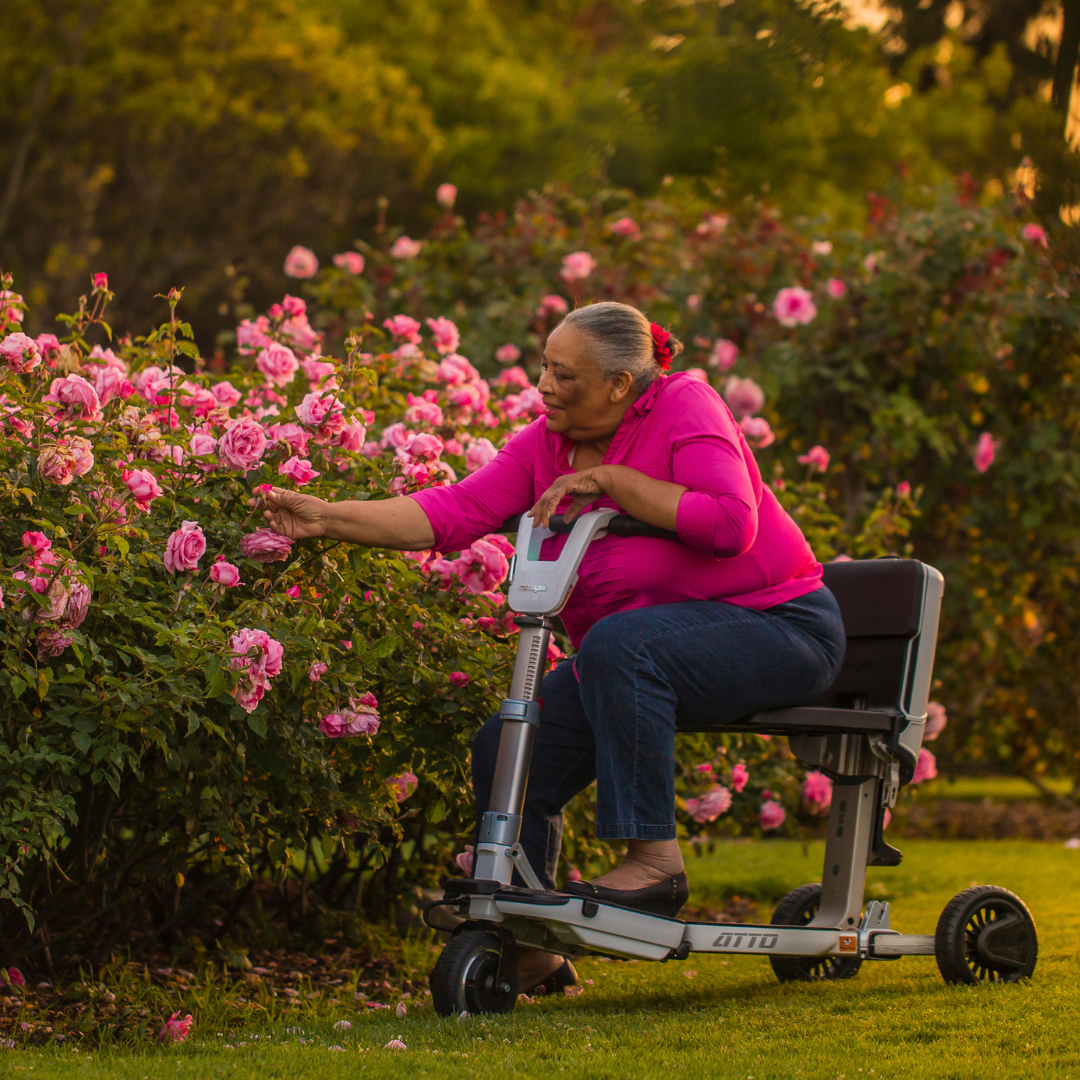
[[631, 831]]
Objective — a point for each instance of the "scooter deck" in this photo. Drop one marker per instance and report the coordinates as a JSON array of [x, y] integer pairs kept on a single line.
[[582, 923]]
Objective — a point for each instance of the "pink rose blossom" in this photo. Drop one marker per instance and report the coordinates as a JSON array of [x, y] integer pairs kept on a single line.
[[817, 457], [202, 444], [1, 598], [278, 363], [293, 592], [715, 801], [225, 573], [175, 1029], [821, 247], [723, 355], [903, 489], [322, 411], [712, 225], [65, 459], [421, 410], [479, 453], [352, 436], [110, 382], [301, 263], [37, 542], [362, 716], [317, 670], [50, 343], [744, 396], [421, 447], [184, 548], [446, 334], [513, 376], [625, 226], [936, 719], [836, 288], [16, 977], [757, 431], [403, 328], [243, 444], [51, 643], [317, 370], [143, 486], [265, 546], [257, 669], [459, 678], [20, 352], [292, 434], [573, 874], [554, 304], [817, 792], [352, 262], [403, 786], [482, 567], [925, 767], [79, 397], [293, 306], [983, 457], [577, 266], [1035, 235], [693, 302], [739, 775], [455, 370], [464, 860], [227, 395], [395, 436], [404, 248], [334, 726], [507, 354], [698, 373], [705, 768], [445, 194], [101, 281], [76, 607], [794, 307], [298, 470], [771, 815]]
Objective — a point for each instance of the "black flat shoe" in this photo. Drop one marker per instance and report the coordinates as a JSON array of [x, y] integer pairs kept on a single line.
[[665, 898], [556, 982]]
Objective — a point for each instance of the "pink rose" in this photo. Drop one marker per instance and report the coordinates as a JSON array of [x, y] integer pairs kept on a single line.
[[693, 302], [983, 457], [77, 606], [317, 670], [224, 573], [423, 411], [259, 657], [252, 336], [794, 307], [227, 395], [479, 453], [292, 434], [771, 815], [37, 542], [925, 767], [403, 328], [334, 726], [553, 304], [293, 592], [422, 447], [317, 370], [352, 436], [65, 459], [143, 486], [716, 801], [319, 410], [404, 248], [744, 396], [445, 194], [16, 977], [936, 719], [817, 792], [459, 678], [301, 263], [352, 262], [712, 225], [50, 343], [175, 1029], [507, 354], [739, 775], [464, 860], [278, 363], [513, 376], [757, 431], [625, 226], [530, 400], [821, 247], [395, 436], [577, 266], [101, 281], [362, 716], [698, 373], [202, 444], [455, 370], [1035, 235], [243, 444], [20, 352], [185, 548], [265, 545], [298, 470], [110, 382], [723, 355], [51, 643], [482, 567], [903, 489], [294, 306], [79, 397], [446, 334], [836, 288], [1, 598], [817, 457], [403, 786]]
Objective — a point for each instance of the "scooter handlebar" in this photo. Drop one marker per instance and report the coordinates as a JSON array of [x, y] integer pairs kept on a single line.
[[621, 525]]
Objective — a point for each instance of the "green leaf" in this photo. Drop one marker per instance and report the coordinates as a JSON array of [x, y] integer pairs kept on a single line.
[[193, 724], [17, 686], [436, 813], [43, 683], [384, 647], [188, 348], [82, 741], [257, 724]]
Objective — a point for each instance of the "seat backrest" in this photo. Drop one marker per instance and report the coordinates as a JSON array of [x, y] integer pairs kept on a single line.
[[890, 611]]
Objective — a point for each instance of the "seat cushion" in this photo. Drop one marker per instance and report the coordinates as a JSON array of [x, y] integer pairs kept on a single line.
[[878, 597]]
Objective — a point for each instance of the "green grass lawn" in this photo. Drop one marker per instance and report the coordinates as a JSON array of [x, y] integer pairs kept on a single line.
[[707, 1017]]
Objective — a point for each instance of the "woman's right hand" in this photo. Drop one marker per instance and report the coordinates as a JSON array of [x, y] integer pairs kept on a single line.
[[291, 514]]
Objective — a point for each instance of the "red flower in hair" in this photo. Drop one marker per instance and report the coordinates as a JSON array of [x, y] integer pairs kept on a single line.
[[660, 348]]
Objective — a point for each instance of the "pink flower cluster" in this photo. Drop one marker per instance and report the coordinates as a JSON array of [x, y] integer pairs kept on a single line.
[[817, 792], [794, 306], [715, 801], [361, 717], [481, 568], [258, 657], [184, 548]]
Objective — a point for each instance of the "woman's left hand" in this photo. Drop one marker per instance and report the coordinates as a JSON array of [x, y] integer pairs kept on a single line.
[[584, 486]]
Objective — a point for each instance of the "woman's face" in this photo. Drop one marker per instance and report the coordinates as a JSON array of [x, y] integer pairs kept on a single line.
[[581, 403]]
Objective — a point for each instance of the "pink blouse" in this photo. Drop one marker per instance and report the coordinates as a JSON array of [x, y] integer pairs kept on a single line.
[[736, 543]]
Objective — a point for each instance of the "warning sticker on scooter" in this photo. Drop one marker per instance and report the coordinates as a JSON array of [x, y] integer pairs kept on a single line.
[[735, 940]]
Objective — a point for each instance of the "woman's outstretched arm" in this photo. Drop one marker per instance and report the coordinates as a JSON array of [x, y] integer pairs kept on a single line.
[[397, 523]]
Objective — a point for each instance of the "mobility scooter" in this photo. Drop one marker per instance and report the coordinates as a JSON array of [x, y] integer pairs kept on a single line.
[[864, 734]]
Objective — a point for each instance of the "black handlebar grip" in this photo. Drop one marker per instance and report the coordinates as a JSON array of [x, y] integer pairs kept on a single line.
[[620, 525]]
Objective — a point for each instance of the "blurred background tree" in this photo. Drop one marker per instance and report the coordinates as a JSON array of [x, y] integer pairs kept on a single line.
[[167, 143]]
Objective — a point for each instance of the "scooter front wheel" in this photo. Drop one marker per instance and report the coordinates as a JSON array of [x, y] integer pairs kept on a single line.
[[466, 976], [798, 908]]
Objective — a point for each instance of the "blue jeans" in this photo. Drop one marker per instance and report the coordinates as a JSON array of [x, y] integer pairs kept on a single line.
[[644, 674]]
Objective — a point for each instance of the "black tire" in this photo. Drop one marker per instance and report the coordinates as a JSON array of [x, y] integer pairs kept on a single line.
[[797, 909], [986, 934], [465, 977]]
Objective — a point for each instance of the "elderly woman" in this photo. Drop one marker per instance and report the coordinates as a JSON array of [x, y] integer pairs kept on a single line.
[[730, 619]]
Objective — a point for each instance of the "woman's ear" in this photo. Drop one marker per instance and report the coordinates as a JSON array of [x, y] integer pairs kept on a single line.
[[620, 386]]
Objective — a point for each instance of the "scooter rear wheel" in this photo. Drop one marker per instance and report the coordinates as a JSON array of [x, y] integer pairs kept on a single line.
[[986, 934], [798, 908], [465, 978]]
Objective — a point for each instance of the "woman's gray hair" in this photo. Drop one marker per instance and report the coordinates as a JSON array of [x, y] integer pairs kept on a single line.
[[621, 341]]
